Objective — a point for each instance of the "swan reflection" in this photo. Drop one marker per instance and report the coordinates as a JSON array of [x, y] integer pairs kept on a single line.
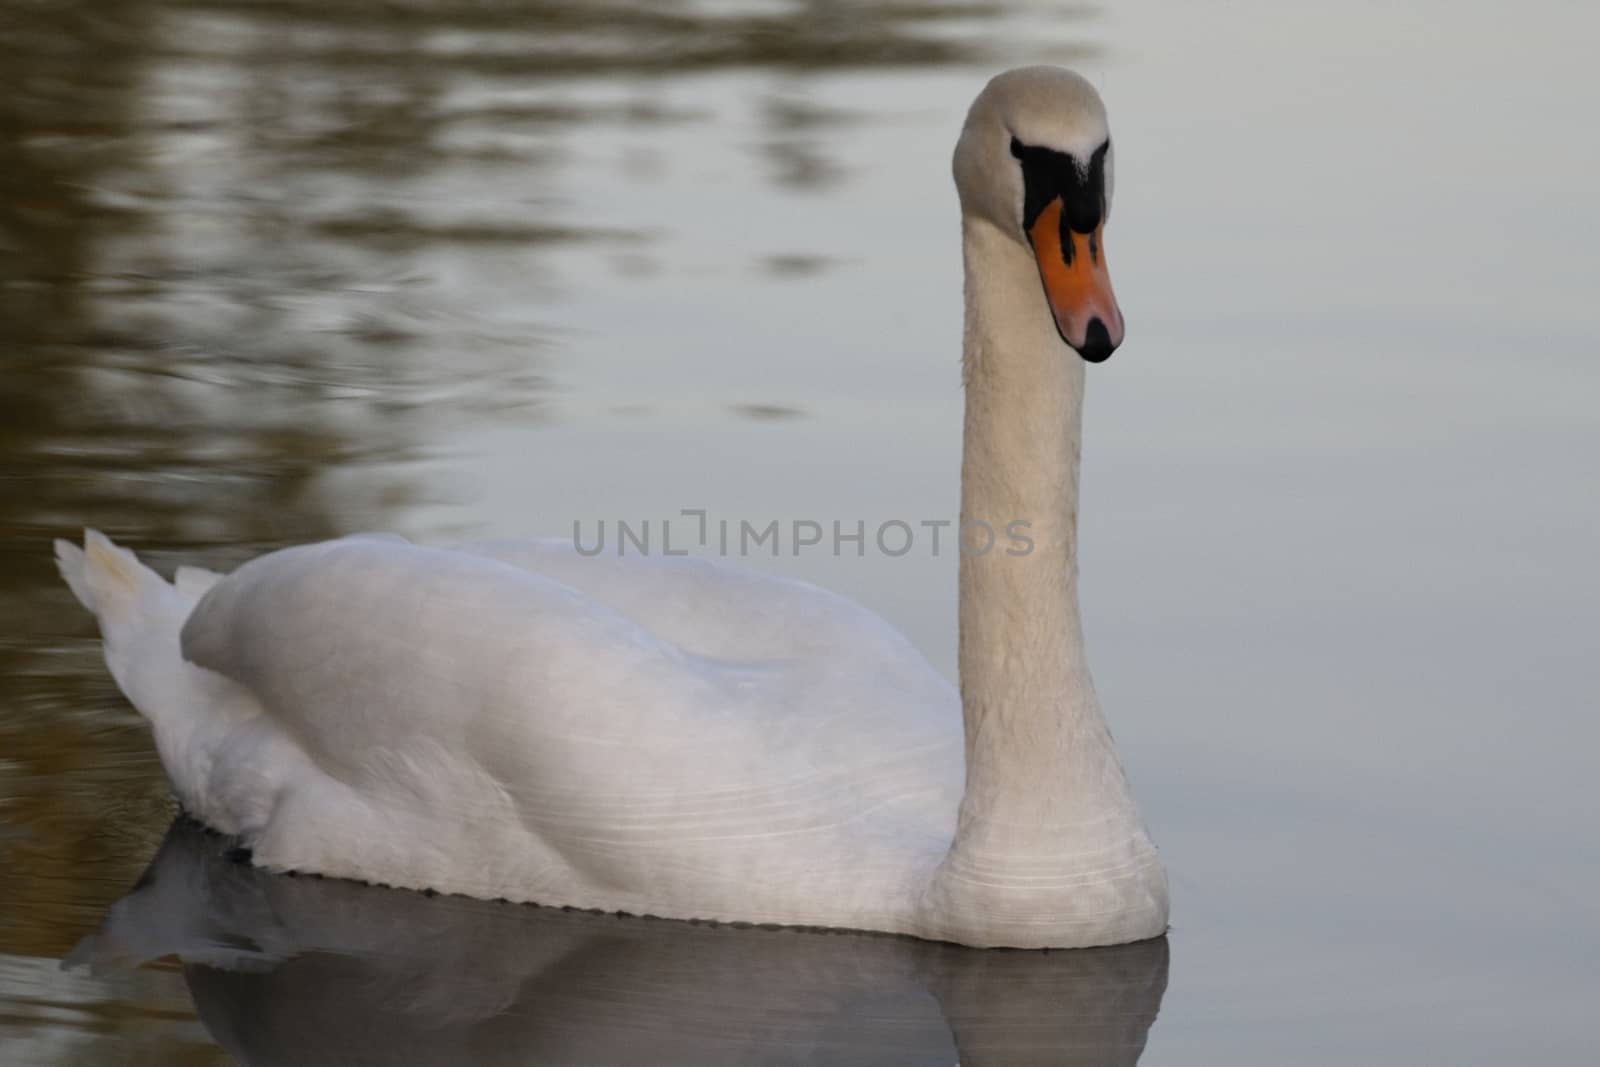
[[306, 971]]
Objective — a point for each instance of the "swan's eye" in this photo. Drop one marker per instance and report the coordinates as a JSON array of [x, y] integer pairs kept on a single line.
[[1049, 175]]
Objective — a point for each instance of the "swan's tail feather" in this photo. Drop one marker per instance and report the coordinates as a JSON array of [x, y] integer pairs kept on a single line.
[[141, 618], [139, 613], [116, 580]]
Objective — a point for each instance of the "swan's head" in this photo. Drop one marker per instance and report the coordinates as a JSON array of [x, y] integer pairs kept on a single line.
[[1034, 159]]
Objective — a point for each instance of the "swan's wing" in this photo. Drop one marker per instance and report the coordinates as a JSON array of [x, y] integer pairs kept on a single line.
[[361, 646], [448, 719]]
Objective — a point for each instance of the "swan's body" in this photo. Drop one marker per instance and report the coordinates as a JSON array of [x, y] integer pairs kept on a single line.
[[675, 737]]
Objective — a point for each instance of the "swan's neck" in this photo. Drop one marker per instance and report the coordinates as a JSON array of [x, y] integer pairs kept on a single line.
[[1041, 773]]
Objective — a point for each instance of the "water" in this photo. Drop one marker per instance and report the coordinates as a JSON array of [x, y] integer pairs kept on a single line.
[[276, 271]]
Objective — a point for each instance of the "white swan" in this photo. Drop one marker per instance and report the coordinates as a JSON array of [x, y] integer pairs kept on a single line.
[[675, 737]]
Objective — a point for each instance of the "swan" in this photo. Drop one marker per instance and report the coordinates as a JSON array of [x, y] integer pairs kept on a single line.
[[677, 737]]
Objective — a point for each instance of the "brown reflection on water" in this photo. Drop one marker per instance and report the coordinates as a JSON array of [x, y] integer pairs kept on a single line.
[[238, 310], [541, 38]]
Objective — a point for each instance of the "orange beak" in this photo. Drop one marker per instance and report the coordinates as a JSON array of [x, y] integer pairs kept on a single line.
[[1077, 285]]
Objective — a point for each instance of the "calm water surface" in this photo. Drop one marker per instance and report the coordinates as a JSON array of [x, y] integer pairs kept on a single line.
[[276, 271]]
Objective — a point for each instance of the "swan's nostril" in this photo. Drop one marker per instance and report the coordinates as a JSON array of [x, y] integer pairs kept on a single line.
[[1097, 346]]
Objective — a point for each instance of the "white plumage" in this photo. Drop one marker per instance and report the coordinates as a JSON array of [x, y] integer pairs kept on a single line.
[[672, 736]]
